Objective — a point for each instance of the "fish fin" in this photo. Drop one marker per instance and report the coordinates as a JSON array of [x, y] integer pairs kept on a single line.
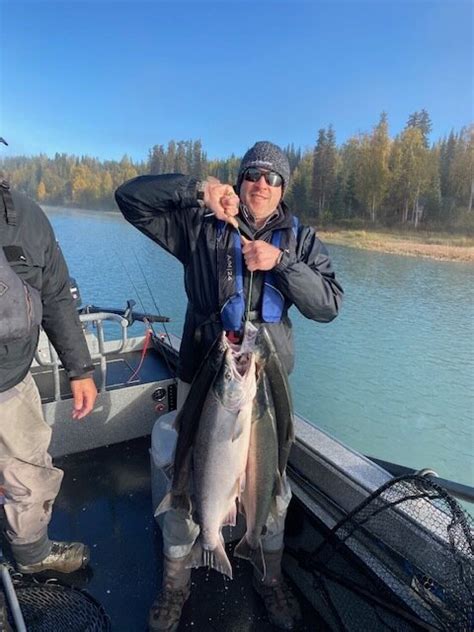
[[231, 518], [238, 428], [216, 559], [255, 556], [182, 501], [173, 501], [165, 505]]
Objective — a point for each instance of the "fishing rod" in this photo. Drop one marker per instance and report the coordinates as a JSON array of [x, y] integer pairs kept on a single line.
[[240, 227], [158, 310], [159, 318], [131, 280]]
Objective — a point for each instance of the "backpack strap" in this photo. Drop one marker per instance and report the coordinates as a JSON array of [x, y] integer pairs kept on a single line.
[[9, 207]]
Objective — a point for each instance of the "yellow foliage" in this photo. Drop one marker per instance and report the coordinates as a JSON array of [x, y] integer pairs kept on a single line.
[[41, 191]]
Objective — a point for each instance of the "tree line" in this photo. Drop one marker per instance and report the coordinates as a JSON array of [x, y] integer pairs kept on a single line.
[[371, 179]]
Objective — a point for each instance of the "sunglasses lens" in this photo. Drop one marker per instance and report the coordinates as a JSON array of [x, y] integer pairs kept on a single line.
[[271, 177], [253, 175]]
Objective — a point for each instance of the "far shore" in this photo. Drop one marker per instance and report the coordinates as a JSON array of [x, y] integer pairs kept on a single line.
[[433, 245], [423, 244]]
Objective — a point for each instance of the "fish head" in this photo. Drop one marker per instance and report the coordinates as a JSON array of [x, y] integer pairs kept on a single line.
[[233, 384]]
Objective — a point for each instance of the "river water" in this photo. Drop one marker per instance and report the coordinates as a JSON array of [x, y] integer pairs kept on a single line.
[[392, 376]]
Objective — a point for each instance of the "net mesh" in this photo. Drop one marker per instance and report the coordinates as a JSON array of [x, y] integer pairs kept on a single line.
[[416, 543], [55, 607]]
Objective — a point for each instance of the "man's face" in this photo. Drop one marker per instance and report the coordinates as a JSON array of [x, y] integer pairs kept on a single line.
[[259, 197]]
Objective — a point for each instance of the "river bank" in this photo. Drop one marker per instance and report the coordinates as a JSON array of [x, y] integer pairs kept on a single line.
[[423, 244], [433, 245]]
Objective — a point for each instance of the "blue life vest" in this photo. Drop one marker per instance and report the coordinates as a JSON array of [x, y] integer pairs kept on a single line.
[[232, 283]]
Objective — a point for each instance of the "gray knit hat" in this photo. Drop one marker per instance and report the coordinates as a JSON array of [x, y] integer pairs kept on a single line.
[[267, 156]]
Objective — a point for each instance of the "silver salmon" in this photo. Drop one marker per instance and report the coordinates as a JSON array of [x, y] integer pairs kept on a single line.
[[220, 451], [262, 477]]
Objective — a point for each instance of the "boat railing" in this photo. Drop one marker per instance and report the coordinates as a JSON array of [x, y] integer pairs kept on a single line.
[[98, 319], [458, 490]]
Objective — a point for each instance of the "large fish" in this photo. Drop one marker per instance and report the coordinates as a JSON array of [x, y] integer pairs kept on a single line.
[[220, 451], [262, 477], [281, 394], [186, 425]]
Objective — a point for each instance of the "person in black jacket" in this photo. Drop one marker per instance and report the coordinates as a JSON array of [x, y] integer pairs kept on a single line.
[[285, 264], [30, 259]]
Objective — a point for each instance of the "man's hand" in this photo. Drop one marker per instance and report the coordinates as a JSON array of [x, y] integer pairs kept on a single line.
[[84, 393], [259, 255], [221, 200]]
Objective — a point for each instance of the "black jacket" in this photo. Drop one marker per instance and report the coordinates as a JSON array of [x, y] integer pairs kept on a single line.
[[39, 261], [165, 208]]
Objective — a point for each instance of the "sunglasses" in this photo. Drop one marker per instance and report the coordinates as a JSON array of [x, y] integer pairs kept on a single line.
[[272, 178]]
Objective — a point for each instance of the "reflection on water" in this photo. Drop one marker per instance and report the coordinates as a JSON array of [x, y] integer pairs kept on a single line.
[[392, 376]]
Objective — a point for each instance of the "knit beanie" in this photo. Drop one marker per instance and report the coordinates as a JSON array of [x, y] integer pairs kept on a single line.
[[265, 155]]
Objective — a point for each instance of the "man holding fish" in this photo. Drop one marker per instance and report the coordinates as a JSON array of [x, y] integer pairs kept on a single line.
[[247, 260]]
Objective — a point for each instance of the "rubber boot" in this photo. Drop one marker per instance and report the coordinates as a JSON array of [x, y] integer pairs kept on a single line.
[[63, 557], [282, 607], [166, 610]]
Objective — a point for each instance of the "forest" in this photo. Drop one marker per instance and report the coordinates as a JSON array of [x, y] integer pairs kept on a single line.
[[369, 180]]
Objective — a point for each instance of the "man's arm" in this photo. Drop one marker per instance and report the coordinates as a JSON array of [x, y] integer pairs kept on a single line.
[[308, 280], [62, 326], [166, 208]]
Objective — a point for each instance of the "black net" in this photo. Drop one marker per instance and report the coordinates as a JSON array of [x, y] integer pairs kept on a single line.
[[416, 545], [55, 607]]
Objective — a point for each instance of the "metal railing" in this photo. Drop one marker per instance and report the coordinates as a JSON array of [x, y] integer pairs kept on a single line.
[[98, 320]]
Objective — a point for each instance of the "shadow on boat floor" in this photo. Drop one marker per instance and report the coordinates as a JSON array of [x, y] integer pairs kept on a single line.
[[105, 501]]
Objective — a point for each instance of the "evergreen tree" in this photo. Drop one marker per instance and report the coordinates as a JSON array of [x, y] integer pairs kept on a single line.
[[461, 174], [170, 157], [298, 196], [157, 160], [421, 120], [181, 164]]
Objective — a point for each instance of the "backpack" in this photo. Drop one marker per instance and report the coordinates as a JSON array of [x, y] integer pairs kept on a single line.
[[21, 309]]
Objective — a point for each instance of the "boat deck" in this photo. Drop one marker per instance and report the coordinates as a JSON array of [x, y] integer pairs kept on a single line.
[[105, 500]]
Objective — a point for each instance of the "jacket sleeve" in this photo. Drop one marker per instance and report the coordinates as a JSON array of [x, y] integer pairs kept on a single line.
[[164, 208], [60, 320], [307, 279]]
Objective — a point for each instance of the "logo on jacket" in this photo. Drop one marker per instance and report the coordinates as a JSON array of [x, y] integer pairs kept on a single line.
[[229, 268]]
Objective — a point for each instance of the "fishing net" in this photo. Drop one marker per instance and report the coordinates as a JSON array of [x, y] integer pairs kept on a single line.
[[416, 545], [55, 607]]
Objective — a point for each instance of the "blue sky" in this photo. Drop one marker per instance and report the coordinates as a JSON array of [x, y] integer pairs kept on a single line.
[[108, 78]]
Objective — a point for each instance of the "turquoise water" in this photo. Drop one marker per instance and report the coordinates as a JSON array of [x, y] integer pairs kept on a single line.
[[392, 376]]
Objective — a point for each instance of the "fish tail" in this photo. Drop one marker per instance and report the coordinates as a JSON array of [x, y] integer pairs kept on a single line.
[[255, 556], [165, 505], [215, 558]]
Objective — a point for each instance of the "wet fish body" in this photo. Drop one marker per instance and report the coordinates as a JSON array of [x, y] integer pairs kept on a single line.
[[220, 451], [262, 480], [281, 394], [186, 425]]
